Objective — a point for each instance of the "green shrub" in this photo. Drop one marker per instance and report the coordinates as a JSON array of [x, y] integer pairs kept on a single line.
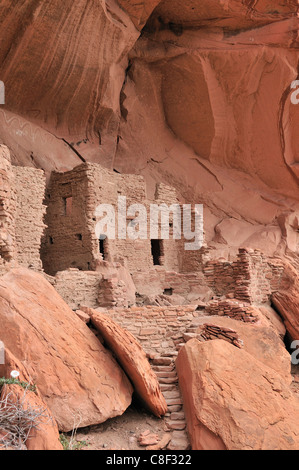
[[24, 385], [70, 443]]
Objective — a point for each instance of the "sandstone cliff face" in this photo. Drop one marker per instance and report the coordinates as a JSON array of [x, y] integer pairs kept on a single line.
[[64, 67], [232, 14], [195, 94], [213, 91]]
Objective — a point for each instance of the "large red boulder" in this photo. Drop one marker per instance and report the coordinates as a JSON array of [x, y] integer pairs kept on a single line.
[[232, 401], [78, 378]]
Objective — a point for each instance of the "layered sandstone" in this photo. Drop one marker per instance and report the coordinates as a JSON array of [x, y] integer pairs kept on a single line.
[[208, 98], [63, 105]]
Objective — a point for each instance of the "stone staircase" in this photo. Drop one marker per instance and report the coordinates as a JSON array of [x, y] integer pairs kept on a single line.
[[164, 368], [162, 331]]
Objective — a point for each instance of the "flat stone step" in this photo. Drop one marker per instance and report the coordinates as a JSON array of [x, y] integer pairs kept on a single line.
[[162, 361], [163, 368], [174, 408], [174, 401], [179, 441], [167, 388], [169, 354], [166, 375], [177, 416], [173, 380], [176, 425], [172, 394]]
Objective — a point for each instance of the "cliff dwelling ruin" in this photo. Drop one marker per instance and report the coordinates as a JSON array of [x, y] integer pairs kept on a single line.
[[124, 126], [53, 230]]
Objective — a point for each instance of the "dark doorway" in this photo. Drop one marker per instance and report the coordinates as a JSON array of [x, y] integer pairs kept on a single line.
[[102, 246], [157, 251]]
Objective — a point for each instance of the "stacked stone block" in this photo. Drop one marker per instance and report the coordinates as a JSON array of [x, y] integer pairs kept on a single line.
[[251, 278]]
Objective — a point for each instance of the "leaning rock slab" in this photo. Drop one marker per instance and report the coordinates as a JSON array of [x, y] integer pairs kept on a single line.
[[77, 377], [234, 402], [133, 359]]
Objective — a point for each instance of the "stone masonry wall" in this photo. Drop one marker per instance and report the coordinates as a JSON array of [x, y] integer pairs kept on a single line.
[[265, 275], [171, 249], [95, 289], [209, 332], [92, 288], [112, 293], [7, 209], [78, 287], [232, 308], [29, 225], [158, 329], [67, 242], [220, 276], [156, 280], [133, 253], [252, 278], [71, 239]]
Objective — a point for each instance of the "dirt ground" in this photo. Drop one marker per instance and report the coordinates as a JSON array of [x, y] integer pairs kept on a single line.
[[121, 433]]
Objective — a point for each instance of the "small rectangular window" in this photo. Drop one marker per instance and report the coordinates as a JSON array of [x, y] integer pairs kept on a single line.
[[168, 291]]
